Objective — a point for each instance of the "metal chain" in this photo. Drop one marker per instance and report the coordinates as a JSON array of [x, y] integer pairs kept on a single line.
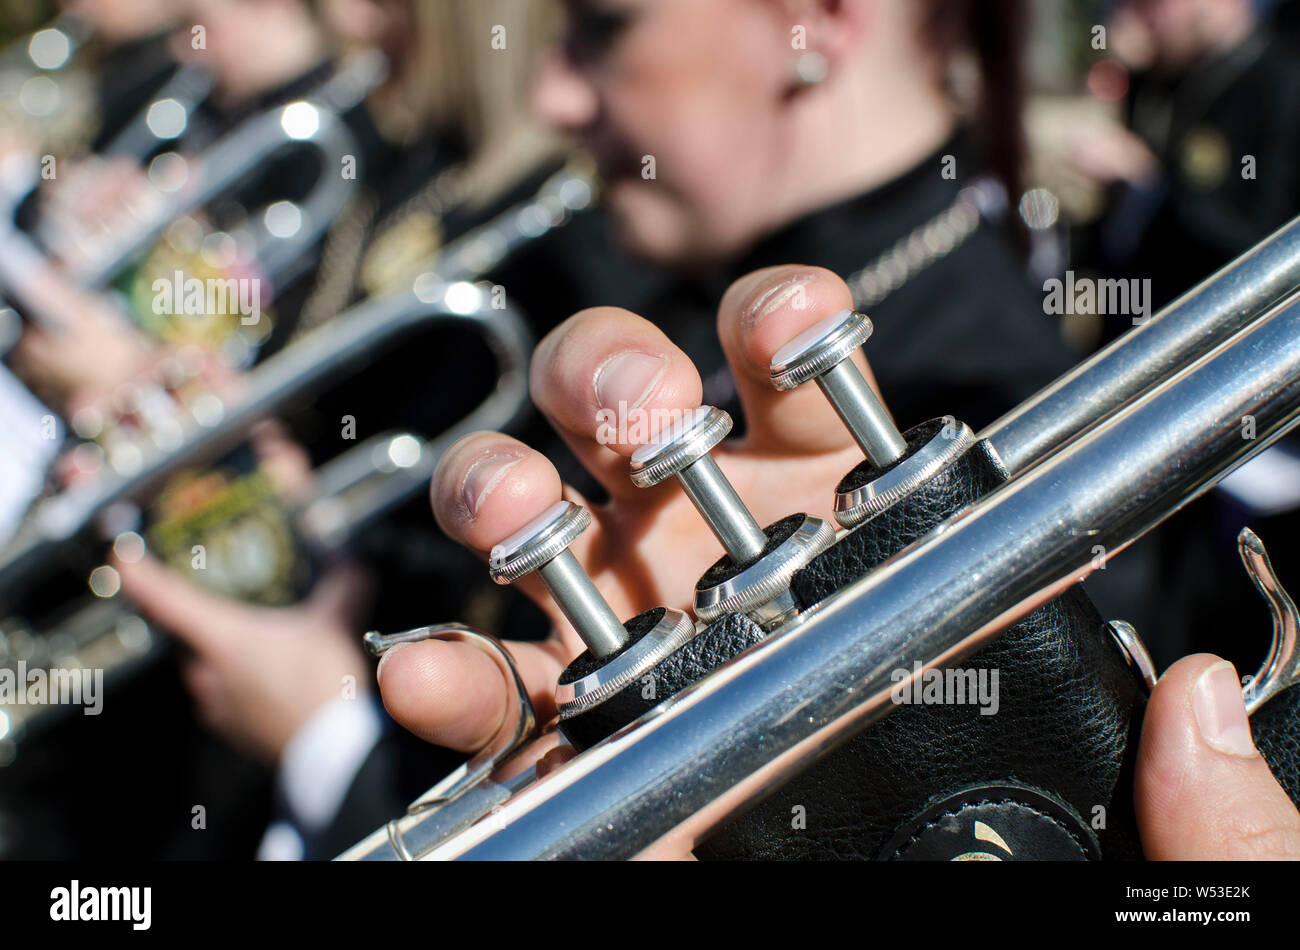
[[927, 243]]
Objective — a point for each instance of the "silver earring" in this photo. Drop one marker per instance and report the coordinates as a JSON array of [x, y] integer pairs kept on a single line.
[[810, 68]]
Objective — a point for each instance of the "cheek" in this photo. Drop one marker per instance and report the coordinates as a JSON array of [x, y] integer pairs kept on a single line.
[[702, 115], [1175, 20], [707, 172], [651, 222], [688, 78], [697, 142]]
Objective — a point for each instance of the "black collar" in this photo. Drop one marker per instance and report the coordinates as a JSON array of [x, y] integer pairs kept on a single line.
[[848, 235]]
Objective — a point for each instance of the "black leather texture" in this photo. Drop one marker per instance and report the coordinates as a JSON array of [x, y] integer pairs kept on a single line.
[[1276, 728], [724, 568], [1067, 721], [708, 649], [953, 489], [587, 662]]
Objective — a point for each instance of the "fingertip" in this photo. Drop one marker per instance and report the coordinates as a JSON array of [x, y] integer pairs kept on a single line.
[[1202, 790], [488, 486], [1192, 693], [608, 375], [759, 315], [1187, 670], [765, 310]]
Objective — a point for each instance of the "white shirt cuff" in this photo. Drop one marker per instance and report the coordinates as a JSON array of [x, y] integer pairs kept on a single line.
[[323, 758]]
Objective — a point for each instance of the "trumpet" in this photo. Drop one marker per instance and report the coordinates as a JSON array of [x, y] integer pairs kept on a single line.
[[312, 123], [277, 237], [1099, 457], [95, 629]]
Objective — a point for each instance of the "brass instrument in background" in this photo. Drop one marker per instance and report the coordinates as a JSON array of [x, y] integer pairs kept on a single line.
[[86, 624], [312, 122], [173, 240], [271, 242]]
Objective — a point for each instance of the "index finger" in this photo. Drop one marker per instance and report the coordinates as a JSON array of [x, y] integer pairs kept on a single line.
[[196, 617]]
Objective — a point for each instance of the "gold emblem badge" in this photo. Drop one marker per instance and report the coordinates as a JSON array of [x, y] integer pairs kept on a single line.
[[231, 534], [1206, 158], [197, 286]]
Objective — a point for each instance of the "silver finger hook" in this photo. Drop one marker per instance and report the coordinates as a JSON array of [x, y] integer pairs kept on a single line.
[[1282, 667], [514, 732]]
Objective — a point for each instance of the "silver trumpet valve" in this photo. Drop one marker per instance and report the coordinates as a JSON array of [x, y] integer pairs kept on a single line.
[[755, 576], [617, 653], [893, 469], [542, 547], [823, 353], [683, 453]]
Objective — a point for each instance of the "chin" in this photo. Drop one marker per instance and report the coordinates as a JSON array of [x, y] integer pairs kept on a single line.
[[647, 225]]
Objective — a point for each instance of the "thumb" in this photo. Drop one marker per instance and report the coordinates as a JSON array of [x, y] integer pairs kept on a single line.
[[194, 616], [1203, 791]]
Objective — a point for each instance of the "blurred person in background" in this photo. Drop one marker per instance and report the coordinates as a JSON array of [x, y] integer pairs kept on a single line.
[[1213, 98], [442, 149], [830, 133], [81, 349], [410, 174], [289, 685], [1207, 166], [72, 86], [260, 54], [77, 84]]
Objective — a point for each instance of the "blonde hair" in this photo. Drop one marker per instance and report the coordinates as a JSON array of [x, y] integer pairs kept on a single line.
[[470, 68]]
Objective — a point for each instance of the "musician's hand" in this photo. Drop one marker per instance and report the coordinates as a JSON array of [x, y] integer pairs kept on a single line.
[[646, 547], [1203, 792], [1106, 152], [258, 674], [93, 202], [93, 351]]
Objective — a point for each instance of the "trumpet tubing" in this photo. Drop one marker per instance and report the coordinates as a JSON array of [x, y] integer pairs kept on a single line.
[[1153, 422]]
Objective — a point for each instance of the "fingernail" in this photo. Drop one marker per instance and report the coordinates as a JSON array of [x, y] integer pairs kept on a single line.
[[379, 670], [1221, 712], [483, 477], [774, 298], [628, 379]]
